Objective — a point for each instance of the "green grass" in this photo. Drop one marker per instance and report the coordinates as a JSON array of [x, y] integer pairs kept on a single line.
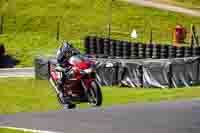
[[5, 130], [29, 95], [33, 31], [22, 95]]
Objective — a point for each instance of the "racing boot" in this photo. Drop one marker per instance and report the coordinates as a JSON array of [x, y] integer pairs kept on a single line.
[[61, 91]]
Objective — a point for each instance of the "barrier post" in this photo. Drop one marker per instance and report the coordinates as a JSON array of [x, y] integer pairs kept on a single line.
[[151, 37], [58, 30], [1, 24], [198, 70], [141, 76], [170, 75]]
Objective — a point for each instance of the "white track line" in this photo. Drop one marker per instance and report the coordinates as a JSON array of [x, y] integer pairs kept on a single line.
[[15, 68], [17, 72], [27, 130]]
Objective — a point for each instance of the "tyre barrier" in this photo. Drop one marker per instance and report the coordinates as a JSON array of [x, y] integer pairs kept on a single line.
[[171, 51], [188, 52], [149, 51], [134, 51], [119, 49], [112, 48], [108, 48], [86, 45], [92, 45], [180, 52], [156, 51], [164, 52], [141, 50], [126, 52], [196, 51], [99, 47]]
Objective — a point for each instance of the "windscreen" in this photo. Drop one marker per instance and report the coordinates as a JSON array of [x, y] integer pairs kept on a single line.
[[76, 59]]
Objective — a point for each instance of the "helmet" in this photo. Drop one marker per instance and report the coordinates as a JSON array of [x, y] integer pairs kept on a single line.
[[66, 50]]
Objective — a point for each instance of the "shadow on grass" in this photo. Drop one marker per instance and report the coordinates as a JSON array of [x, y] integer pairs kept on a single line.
[[7, 61]]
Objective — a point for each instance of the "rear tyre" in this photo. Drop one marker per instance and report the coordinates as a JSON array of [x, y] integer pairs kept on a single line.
[[95, 94], [71, 106]]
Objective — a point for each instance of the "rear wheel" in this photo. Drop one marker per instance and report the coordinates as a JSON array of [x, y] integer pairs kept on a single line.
[[95, 94]]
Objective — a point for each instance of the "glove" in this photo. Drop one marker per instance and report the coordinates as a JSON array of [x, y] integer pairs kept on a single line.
[[59, 69]]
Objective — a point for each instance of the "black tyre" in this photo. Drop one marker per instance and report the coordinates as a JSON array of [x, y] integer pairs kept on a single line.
[[134, 50], [92, 45], [126, 50], [141, 50], [95, 94], [188, 52], [148, 52], [86, 45], [99, 46], [180, 52], [164, 52], [119, 49], [71, 106], [113, 48], [172, 51], [196, 51], [156, 51]]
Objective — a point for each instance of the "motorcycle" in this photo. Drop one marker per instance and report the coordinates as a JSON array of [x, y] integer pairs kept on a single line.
[[81, 85]]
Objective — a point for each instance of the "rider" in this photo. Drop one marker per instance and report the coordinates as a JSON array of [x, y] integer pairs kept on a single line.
[[65, 51]]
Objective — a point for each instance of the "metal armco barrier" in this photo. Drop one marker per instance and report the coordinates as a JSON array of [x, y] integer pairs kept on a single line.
[[159, 73]]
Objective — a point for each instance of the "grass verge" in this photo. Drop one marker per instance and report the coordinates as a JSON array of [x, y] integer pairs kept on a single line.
[[6, 130], [32, 30], [29, 95]]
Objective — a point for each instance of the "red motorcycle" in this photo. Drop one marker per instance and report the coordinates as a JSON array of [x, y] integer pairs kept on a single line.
[[81, 85]]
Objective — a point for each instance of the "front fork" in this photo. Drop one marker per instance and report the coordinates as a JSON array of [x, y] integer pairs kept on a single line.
[[86, 83]]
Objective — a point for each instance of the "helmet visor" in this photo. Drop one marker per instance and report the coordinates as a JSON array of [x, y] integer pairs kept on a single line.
[[68, 54]]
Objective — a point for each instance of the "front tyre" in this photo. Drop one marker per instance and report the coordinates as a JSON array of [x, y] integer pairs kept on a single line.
[[95, 94]]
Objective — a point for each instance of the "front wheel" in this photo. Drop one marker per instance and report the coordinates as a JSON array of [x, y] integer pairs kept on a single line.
[[95, 94]]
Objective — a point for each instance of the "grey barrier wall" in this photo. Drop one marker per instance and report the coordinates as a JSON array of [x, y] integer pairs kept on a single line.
[[161, 73], [130, 74], [156, 73], [185, 71], [107, 72], [41, 68]]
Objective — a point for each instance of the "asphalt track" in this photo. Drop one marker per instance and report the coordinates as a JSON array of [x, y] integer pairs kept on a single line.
[[17, 72], [164, 6], [165, 117]]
